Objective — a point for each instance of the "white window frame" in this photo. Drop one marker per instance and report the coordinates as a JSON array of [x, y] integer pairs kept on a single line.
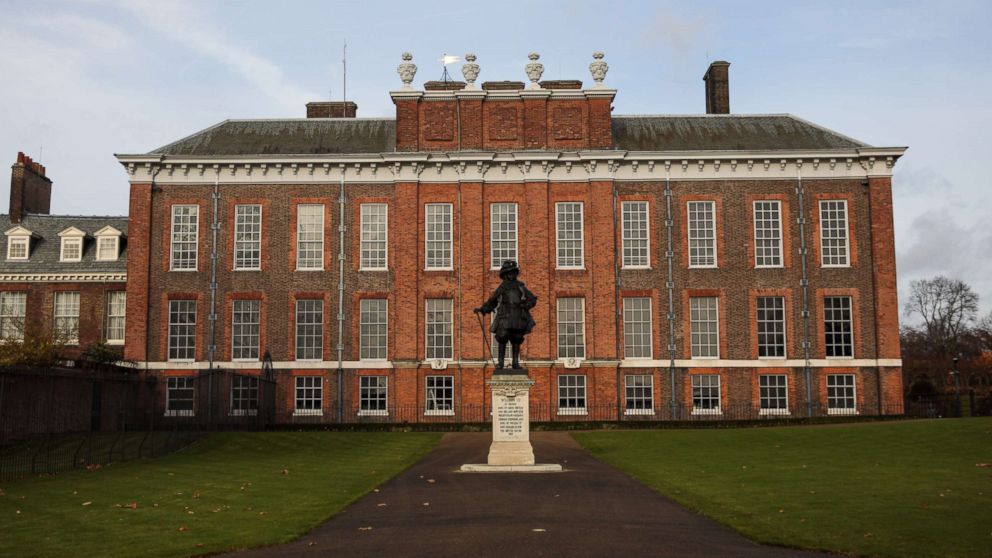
[[693, 346], [177, 383], [365, 308], [504, 226], [768, 234], [579, 350], [759, 321], [577, 392], [828, 346], [110, 244], [843, 257], [433, 351], [634, 388], [181, 306], [695, 235], [445, 404], [250, 225], [116, 316], [636, 212], [71, 242], [697, 384], [67, 316], [439, 236], [308, 390], [313, 237], [179, 238], [18, 241], [13, 311], [373, 389], [765, 394], [630, 325], [569, 241], [373, 248], [238, 329], [244, 395], [832, 396], [318, 325]]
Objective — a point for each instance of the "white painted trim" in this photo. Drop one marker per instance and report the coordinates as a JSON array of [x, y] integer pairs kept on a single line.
[[642, 412], [373, 413]]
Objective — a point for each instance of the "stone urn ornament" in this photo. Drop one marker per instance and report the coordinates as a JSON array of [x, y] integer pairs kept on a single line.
[[598, 69], [470, 70], [407, 70], [534, 70]]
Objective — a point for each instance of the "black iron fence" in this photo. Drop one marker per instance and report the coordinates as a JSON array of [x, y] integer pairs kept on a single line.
[[968, 404]]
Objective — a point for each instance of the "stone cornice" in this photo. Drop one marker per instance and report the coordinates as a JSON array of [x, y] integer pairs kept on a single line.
[[66, 277], [515, 166]]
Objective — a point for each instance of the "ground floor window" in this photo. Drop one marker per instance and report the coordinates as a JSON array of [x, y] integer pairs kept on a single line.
[[309, 395], [373, 395], [639, 394], [179, 396], [244, 395], [773, 394], [571, 395], [440, 395], [706, 394], [841, 394]]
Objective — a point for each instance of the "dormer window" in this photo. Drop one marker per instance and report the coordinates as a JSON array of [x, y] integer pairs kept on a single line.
[[108, 244], [18, 244], [72, 245]]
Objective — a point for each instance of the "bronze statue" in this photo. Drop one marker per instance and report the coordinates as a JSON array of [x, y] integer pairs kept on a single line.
[[512, 302]]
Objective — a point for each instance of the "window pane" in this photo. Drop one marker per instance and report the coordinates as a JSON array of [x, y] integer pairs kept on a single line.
[[440, 393], [571, 328], [373, 395], [248, 237], [767, 234], [635, 234], [439, 328], [773, 392], [310, 236], [706, 392], [309, 395], [179, 396], [838, 336], [106, 248], [568, 223], [13, 306], [702, 234], [771, 326], [639, 392], [571, 392], [185, 231], [438, 235], [67, 318], [637, 327], [841, 393], [309, 329], [72, 249], [704, 327], [245, 329], [374, 229], [502, 233], [833, 233], [373, 328], [182, 329], [116, 311], [244, 395]]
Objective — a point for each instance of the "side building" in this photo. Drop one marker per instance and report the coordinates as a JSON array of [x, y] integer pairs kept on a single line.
[[62, 277], [687, 267]]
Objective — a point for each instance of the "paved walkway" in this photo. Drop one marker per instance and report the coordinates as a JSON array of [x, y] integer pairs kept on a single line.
[[591, 509]]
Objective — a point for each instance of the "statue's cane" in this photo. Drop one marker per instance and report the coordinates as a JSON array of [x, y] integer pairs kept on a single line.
[[485, 338]]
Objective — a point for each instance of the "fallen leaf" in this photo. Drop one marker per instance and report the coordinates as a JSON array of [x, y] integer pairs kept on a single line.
[[263, 513], [189, 512], [196, 495], [539, 530], [983, 465], [199, 545], [381, 505], [377, 490], [285, 471], [426, 504], [87, 503], [780, 510], [868, 535], [183, 528], [132, 505], [369, 528], [311, 543], [431, 481]]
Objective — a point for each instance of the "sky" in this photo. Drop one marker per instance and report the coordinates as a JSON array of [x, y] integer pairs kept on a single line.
[[83, 80]]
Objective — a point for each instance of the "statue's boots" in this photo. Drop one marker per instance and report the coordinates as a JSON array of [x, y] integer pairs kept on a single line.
[[516, 356], [502, 356]]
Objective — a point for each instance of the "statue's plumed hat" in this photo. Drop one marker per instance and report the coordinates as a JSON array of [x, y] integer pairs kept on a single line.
[[508, 266]]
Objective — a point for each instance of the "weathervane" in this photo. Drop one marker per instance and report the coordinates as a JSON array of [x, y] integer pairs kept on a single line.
[[445, 60]]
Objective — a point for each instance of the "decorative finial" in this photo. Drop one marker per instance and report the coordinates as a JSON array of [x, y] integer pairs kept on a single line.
[[534, 70], [407, 70], [598, 69], [471, 71]]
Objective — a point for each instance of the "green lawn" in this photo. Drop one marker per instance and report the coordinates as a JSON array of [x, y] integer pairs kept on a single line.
[[878, 489], [230, 490]]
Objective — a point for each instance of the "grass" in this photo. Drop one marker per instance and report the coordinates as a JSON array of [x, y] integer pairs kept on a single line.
[[883, 489], [228, 491]]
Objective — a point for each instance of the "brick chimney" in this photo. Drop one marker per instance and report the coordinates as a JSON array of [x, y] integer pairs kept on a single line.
[[331, 109], [30, 189], [717, 80]]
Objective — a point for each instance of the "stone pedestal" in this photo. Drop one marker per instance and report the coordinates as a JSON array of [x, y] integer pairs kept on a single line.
[[511, 450]]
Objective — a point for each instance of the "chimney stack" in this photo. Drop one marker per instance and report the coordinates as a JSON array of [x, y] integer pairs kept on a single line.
[[331, 109], [717, 80], [30, 189]]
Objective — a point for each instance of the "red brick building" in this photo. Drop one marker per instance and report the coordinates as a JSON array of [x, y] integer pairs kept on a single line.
[[63, 275], [713, 265]]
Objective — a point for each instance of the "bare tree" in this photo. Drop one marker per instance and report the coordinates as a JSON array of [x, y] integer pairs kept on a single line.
[[947, 306]]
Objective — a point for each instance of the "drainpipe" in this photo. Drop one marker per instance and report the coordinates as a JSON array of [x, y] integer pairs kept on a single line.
[[804, 283], [151, 217], [874, 291], [212, 348], [670, 285], [340, 347], [618, 311]]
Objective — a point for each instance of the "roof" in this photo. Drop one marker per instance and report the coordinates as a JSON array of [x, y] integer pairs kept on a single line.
[[724, 132], [46, 244], [310, 136]]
